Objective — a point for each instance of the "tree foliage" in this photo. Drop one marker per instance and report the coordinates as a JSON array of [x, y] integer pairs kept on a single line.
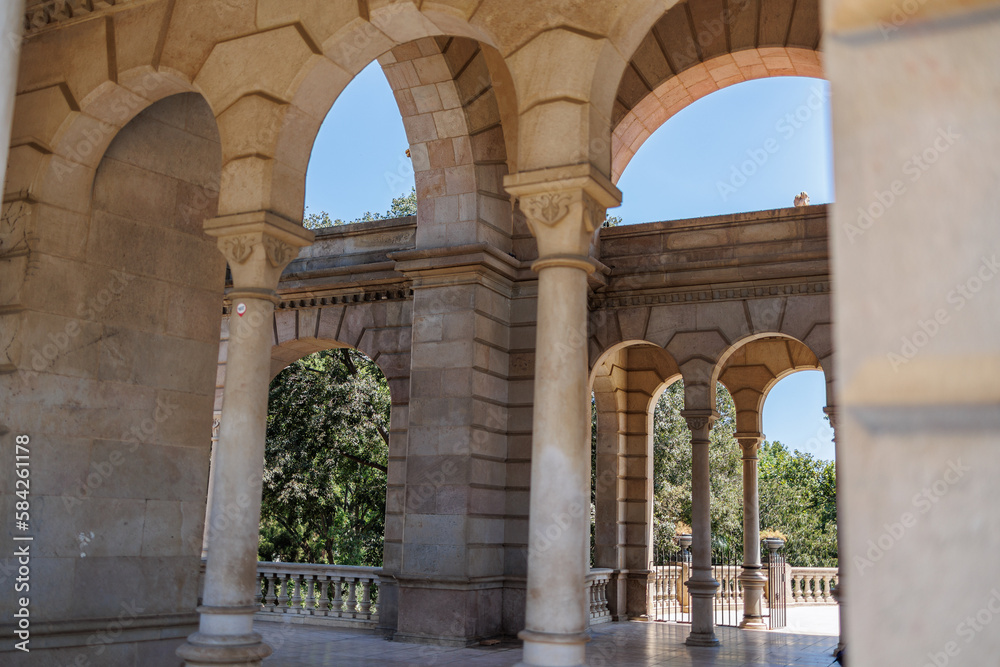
[[401, 206], [325, 461]]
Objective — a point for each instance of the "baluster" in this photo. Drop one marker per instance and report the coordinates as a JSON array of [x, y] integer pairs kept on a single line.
[[258, 597], [366, 600], [283, 585], [338, 603], [604, 597], [797, 588], [310, 594], [352, 599], [297, 594], [270, 598], [828, 589], [813, 585], [324, 600]]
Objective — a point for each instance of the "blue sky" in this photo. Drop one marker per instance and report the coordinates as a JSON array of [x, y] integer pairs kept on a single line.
[[749, 147]]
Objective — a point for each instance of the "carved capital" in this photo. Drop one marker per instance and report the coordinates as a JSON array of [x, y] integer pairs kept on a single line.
[[831, 413], [749, 444], [258, 246], [279, 253], [699, 422], [547, 207], [564, 206], [237, 249]]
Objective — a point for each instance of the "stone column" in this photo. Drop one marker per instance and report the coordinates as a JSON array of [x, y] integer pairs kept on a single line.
[[752, 576], [11, 26], [702, 585], [564, 208], [216, 423], [257, 246], [838, 591]]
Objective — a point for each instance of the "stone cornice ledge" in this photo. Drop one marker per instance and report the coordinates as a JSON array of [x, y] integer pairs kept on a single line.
[[424, 266]]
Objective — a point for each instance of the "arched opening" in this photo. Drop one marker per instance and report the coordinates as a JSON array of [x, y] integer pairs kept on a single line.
[[749, 146], [326, 461], [360, 163]]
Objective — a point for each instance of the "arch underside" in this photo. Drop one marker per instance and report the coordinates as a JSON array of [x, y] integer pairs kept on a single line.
[[700, 46]]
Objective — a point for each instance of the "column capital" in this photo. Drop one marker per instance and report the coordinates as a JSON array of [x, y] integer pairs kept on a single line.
[[831, 412], [258, 246], [749, 443], [699, 422], [564, 206]]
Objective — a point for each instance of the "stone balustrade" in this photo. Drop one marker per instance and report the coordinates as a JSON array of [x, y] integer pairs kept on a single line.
[[597, 589], [347, 595], [805, 586], [344, 595], [813, 585]]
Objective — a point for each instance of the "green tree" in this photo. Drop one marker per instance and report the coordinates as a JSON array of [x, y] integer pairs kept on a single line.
[[401, 206], [798, 497], [325, 461]]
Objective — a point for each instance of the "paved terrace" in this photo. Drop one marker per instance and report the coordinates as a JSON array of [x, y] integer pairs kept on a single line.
[[613, 645]]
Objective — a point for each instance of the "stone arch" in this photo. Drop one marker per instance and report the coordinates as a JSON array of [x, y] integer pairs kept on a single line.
[[284, 103], [379, 328], [755, 366], [131, 288], [700, 337], [699, 46], [626, 381], [698, 81], [63, 128], [456, 121]]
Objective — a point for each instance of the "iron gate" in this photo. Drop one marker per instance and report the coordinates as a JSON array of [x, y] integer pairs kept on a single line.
[[668, 596], [671, 568], [777, 585]]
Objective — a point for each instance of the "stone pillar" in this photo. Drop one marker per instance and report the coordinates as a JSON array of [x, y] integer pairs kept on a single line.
[[564, 208], [257, 246], [216, 423], [11, 25], [702, 586], [838, 591], [752, 577]]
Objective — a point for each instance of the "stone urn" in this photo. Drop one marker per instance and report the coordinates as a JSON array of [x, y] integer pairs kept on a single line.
[[773, 543], [684, 541]]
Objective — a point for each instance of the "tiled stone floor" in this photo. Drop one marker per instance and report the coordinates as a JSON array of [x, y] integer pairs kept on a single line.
[[613, 645]]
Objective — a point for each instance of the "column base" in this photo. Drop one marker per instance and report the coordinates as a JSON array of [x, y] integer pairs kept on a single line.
[[203, 650], [751, 623], [753, 581], [702, 639], [702, 592], [550, 649]]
